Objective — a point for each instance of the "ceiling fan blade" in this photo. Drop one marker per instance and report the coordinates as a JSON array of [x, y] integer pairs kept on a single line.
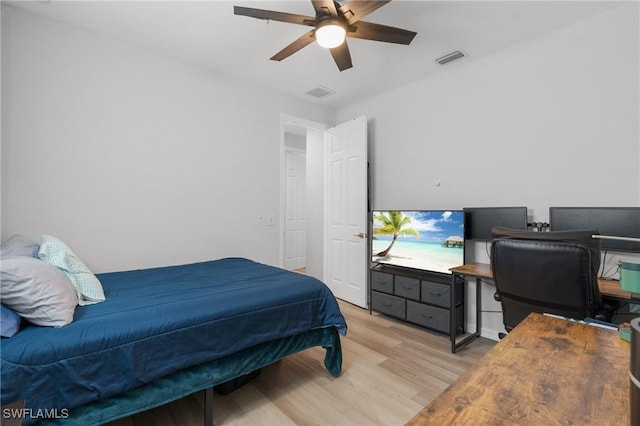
[[298, 44], [356, 10], [290, 18], [342, 56], [377, 32], [325, 7]]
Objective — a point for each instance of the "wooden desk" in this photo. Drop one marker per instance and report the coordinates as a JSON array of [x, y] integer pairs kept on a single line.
[[610, 288], [482, 271], [479, 271], [545, 371]]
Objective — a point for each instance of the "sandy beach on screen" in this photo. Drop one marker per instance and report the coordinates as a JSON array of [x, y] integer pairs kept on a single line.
[[438, 259]]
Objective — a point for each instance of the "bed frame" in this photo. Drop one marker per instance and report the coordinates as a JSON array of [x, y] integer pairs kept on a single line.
[[204, 377]]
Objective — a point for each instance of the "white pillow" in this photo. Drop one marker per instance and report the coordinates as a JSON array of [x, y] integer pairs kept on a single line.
[[17, 245], [55, 252], [37, 291]]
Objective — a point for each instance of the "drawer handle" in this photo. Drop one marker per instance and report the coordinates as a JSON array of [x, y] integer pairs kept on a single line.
[[404, 287], [427, 316], [386, 304], [435, 294]]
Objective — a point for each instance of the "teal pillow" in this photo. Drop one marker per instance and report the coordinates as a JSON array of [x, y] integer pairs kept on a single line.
[[86, 284]]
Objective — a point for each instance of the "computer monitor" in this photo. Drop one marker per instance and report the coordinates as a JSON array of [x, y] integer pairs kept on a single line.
[[608, 221], [480, 220]]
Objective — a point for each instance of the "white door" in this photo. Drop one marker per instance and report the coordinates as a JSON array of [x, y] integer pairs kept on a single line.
[[346, 211], [295, 232]]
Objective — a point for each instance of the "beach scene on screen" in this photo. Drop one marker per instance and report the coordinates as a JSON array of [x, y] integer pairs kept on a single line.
[[427, 240]]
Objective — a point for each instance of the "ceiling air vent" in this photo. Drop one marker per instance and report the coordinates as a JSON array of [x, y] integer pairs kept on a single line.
[[320, 92], [450, 57]]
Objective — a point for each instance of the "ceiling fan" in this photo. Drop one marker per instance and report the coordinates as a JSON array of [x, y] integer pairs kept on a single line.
[[333, 22]]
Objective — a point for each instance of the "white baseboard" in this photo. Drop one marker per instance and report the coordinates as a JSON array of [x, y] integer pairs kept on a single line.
[[490, 333]]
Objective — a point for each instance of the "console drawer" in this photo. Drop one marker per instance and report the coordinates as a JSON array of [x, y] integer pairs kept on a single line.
[[428, 316], [436, 293], [387, 304], [407, 287], [382, 282]]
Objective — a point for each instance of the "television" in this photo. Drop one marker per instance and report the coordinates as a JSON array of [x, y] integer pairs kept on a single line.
[[428, 240], [480, 220], [608, 221]]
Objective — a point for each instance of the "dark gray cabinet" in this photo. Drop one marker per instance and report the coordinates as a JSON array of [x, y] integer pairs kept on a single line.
[[419, 297]]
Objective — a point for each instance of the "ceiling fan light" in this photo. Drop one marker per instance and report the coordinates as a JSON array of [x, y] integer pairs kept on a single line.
[[330, 36]]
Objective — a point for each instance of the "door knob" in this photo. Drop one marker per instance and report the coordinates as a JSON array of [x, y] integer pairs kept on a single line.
[[360, 235]]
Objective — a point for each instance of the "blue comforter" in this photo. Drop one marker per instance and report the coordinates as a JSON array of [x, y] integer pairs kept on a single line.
[[158, 321]]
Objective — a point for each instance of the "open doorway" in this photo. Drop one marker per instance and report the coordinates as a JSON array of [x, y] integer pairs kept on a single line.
[[295, 209], [302, 196], [324, 204]]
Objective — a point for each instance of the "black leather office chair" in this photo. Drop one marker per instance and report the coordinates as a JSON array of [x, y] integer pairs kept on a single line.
[[552, 272]]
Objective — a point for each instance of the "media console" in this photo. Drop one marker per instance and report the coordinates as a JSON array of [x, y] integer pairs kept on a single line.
[[420, 297]]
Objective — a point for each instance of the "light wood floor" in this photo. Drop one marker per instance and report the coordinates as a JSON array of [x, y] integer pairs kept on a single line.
[[390, 371]]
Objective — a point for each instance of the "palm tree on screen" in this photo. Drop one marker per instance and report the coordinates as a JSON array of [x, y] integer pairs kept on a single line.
[[393, 224]]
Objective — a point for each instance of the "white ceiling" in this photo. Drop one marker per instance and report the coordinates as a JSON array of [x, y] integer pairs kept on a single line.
[[207, 33]]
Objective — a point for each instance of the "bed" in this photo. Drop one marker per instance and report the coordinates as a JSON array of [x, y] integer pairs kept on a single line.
[[164, 333]]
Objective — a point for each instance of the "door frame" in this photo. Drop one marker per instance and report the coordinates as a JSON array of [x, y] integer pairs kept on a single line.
[[286, 121]]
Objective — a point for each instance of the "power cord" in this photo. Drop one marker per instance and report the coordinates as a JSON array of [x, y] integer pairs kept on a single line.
[[603, 273], [604, 262]]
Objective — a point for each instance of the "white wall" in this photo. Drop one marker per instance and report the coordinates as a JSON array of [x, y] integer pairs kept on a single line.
[[135, 159], [554, 121]]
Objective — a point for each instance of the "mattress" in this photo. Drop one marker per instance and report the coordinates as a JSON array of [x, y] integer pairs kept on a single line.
[[158, 321]]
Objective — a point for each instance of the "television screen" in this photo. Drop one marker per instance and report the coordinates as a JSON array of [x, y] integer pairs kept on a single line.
[[430, 240], [480, 220], [609, 221]]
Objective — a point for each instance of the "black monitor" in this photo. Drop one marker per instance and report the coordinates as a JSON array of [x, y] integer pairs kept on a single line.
[[608, 221], [480, 220]]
